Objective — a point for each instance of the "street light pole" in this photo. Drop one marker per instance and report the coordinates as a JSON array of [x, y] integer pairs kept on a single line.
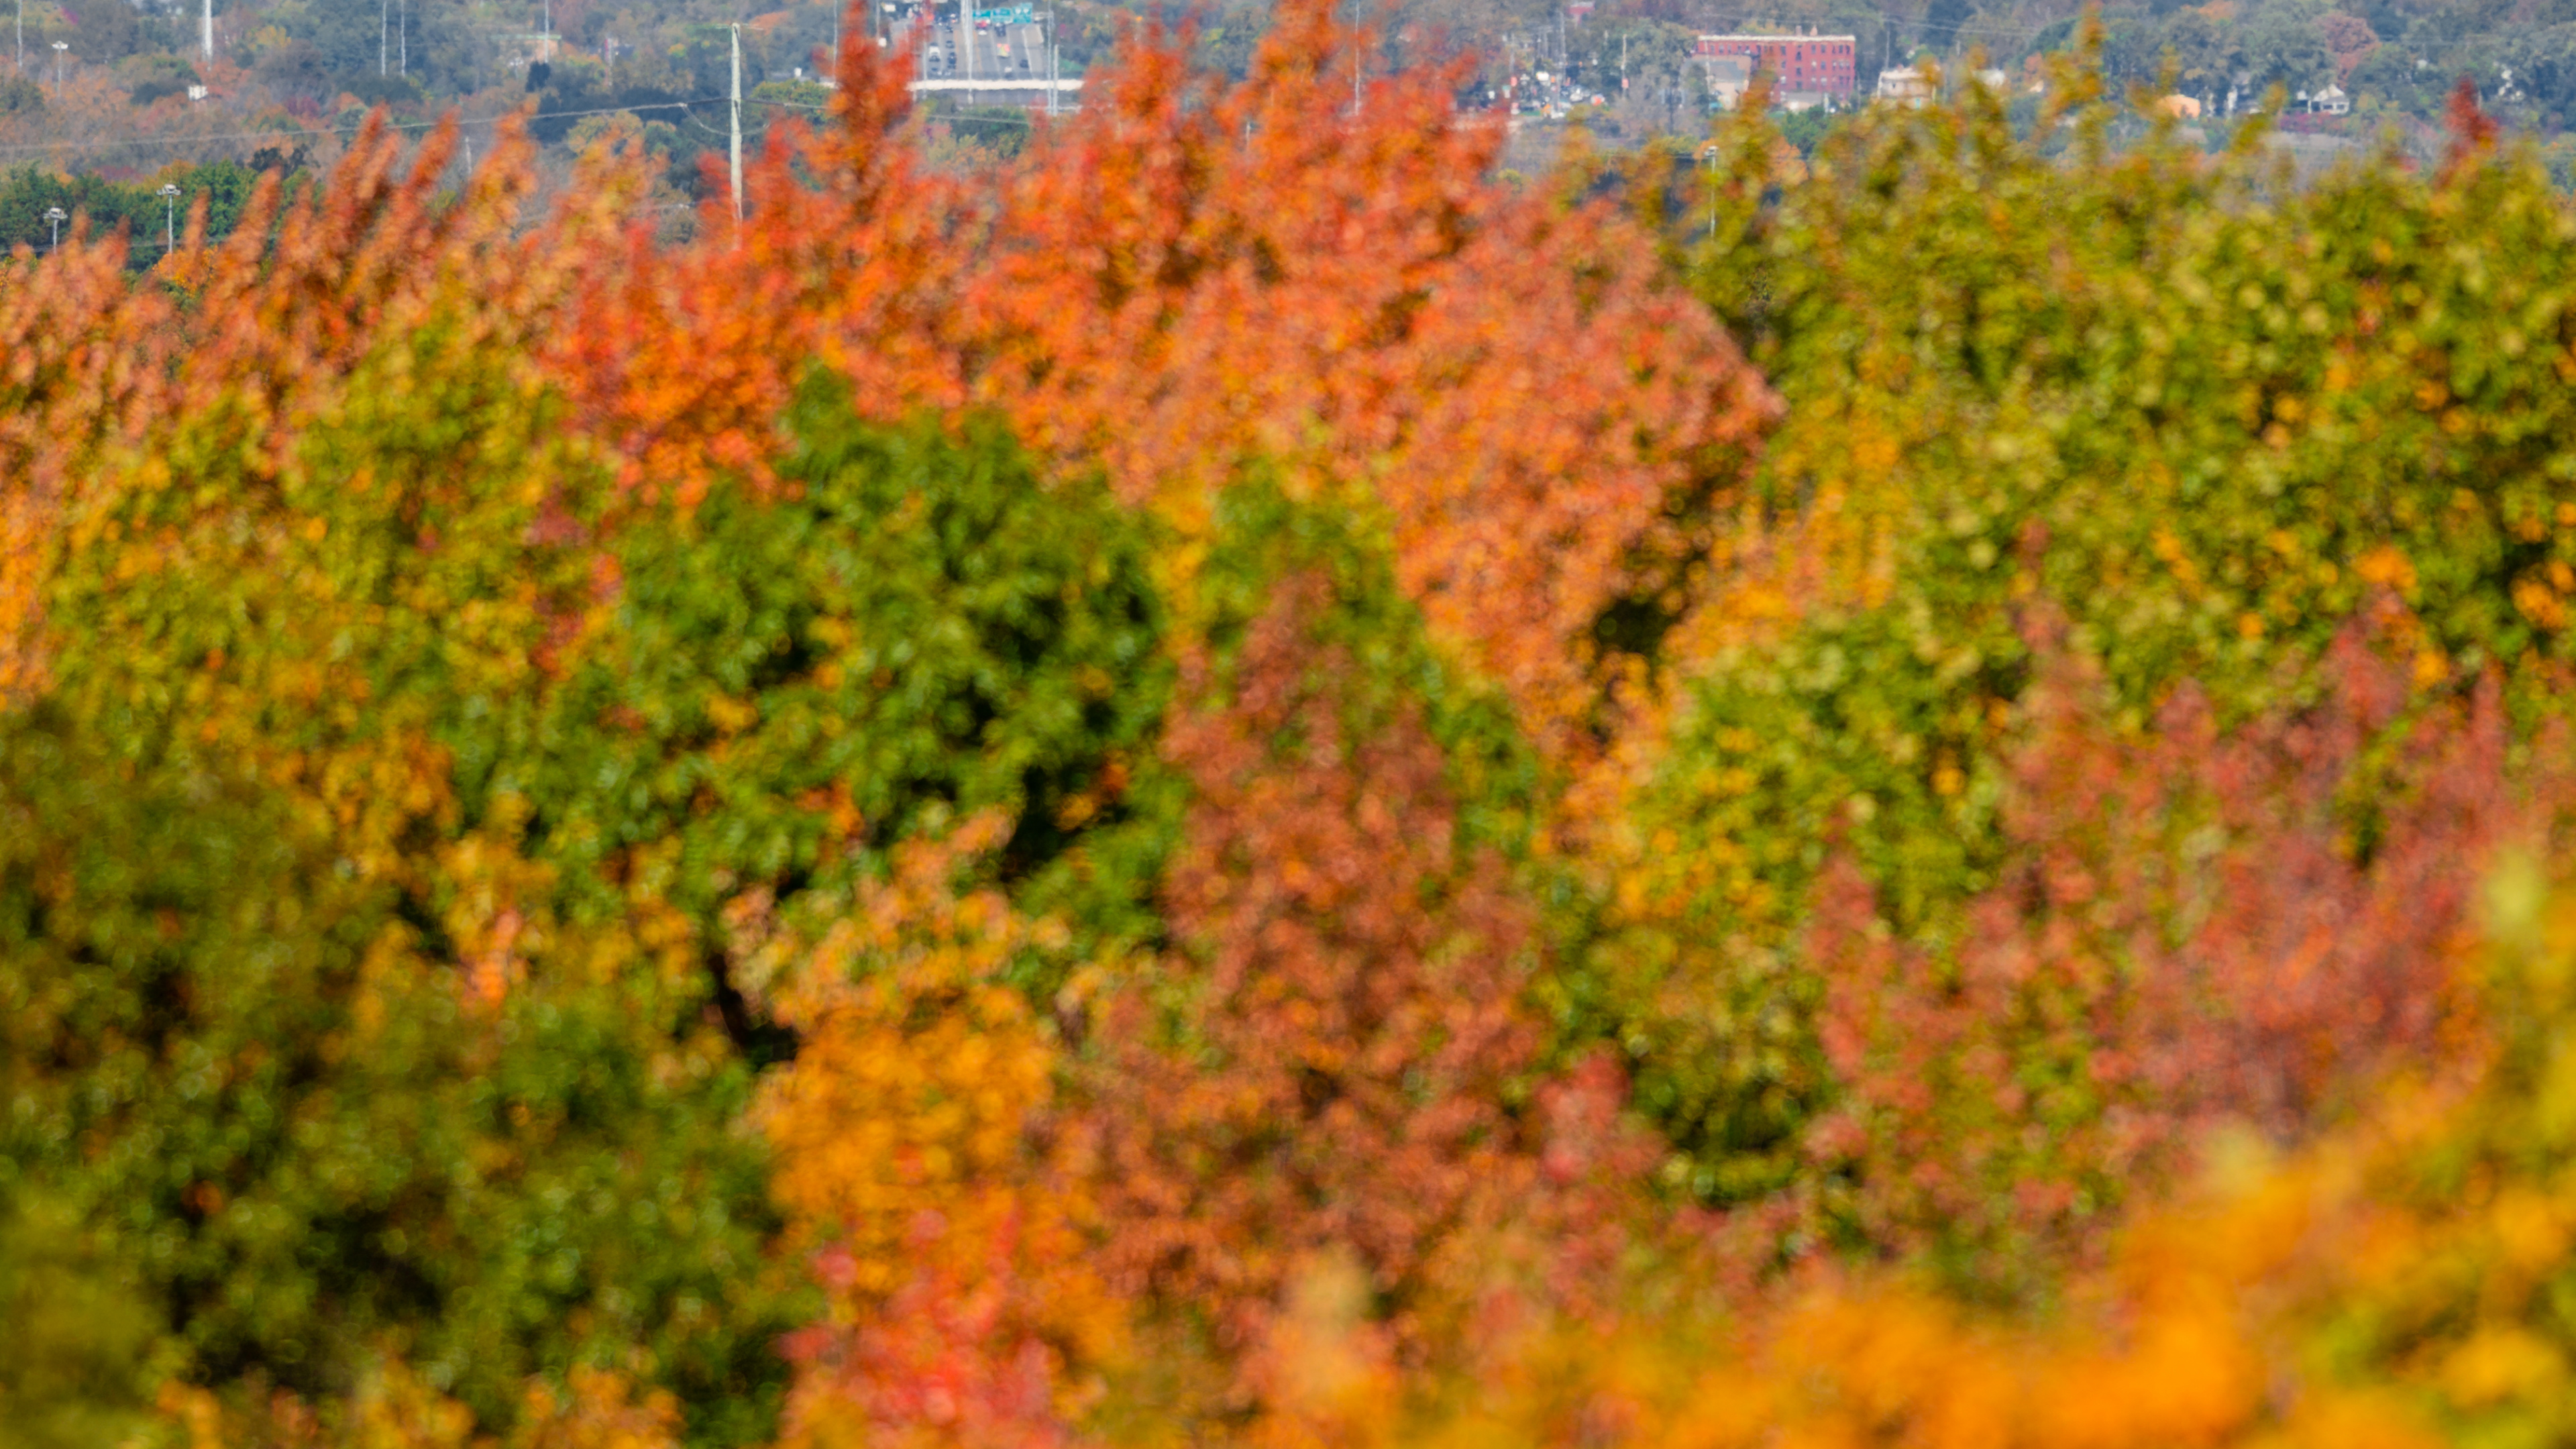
[[169, 218], [59, 47], [54, 214], [737, 123], [1710, 152]]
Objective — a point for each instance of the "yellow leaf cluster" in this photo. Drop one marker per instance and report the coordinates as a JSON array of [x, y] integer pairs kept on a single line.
[[915, 1165]]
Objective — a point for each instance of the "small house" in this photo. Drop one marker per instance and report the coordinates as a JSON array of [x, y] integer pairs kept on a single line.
[[1904, 86]]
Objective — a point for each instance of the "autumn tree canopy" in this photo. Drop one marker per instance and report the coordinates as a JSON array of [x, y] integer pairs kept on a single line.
[[1244, 782]]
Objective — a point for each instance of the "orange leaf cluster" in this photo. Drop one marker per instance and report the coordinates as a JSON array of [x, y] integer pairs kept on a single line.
[[1192, 280], [910, 1128]]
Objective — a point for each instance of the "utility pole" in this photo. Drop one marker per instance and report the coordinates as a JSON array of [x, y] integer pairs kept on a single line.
[[169, 219], [737, 123], [1709, 150], [1051, 49], [966, 46], [402, 37], [209, 36], [384, 36]]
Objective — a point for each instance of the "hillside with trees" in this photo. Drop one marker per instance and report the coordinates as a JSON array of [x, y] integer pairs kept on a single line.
[[123, 91]]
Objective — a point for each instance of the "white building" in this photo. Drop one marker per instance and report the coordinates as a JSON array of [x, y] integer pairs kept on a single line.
[[1729, 76], [1904, 86]]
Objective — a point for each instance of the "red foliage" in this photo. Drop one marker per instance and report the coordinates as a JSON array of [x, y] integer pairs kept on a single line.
[[1342, 1066], [2196, 927], [947, 1358], [2473, 131], [1337, 1081]]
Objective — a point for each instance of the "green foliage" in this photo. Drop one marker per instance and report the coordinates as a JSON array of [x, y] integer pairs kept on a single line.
[[343, 987], [1376, 635], [1868, 731], [1807, 130], [27, 192], [798, 95], [77, 1365], [976, 134], [254, 1046], [918, 630], [2201, 417], [234, 1061]]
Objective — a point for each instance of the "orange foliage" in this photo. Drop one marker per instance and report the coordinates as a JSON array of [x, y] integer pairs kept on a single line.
[[65, 377], [1176, 285], [248, 342], [1185, 281], [1188, 278], [910, 1132]]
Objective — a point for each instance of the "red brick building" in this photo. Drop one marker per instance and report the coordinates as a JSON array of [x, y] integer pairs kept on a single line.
[[1795, 63]]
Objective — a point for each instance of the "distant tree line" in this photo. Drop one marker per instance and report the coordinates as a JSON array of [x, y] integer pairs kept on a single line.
[[29, 191]]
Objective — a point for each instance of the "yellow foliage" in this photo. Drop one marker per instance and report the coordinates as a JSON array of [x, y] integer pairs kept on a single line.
[[394, 1409], [913, 1166], [2391, 1287]]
